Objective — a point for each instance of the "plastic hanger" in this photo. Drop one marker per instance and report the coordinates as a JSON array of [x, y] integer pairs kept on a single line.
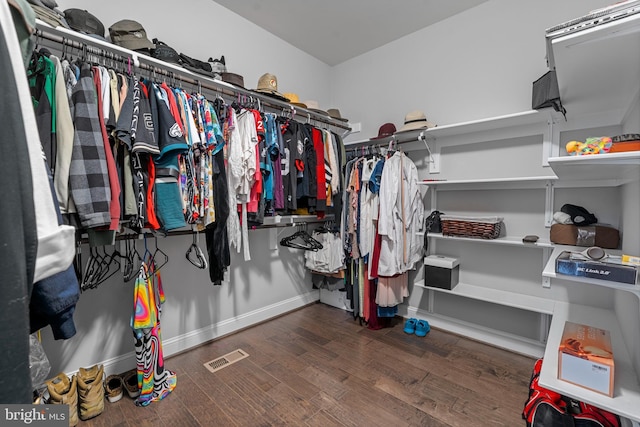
[[301, 240]]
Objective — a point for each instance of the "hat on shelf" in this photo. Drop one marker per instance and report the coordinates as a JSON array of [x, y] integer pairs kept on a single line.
[[46, 11], [294, 99], [233, 78], [416, 120], [334, 113], [314, 106], [83, 22], [268, 84], [130, 34], [385, 130]]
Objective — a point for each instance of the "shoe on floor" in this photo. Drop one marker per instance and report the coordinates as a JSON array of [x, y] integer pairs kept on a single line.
[[422, 328], [90, 392], [130, 383], [64, 391], [410, 325], [113, 388]]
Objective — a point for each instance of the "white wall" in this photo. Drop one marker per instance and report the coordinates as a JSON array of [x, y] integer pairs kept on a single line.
[[274, 281], [202, 29], [477, 64]]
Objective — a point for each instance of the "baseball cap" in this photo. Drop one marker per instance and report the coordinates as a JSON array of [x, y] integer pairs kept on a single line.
[[83, 22], [130, 34]]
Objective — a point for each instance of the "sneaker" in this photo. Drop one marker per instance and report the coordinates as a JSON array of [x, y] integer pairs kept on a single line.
[[90, 392], [63, 391], [113, 388], [130, 383], [410, 325], [422, 328]]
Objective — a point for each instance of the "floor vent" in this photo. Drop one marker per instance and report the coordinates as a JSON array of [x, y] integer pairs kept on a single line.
[[226, 360]]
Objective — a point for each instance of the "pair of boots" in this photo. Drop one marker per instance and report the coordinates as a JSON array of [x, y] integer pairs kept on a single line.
[[84, 393]]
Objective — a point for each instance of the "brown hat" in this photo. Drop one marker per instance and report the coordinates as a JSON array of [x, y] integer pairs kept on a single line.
[[335, 114], [234, 79], [268, 84], [386, 130], [416, 120], [130, 34]]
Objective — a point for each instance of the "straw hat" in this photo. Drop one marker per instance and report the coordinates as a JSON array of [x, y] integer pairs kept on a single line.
[[294, 99], [416, 120], [314, 106], [268, 84]]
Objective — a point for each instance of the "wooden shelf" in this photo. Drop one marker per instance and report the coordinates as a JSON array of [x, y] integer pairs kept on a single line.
[[626, 398], [610, 169], [550, 271], [507, 240], [497, 296]]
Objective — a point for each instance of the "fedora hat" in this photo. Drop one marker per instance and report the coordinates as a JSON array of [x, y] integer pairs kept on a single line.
[[268, 84], [416, 120], [233, 78], [314, 106], [334, 113], [294, 99], [385, 130]]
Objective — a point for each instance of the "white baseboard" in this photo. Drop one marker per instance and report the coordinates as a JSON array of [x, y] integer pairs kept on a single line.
[[490, 336], [200, 336]]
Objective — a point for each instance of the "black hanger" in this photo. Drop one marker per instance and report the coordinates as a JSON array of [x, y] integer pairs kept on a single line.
[[160, 258], [301, 240], [194, 254], [133, 260]]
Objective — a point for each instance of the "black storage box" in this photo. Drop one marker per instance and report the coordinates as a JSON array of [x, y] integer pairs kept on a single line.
[[441, 271]]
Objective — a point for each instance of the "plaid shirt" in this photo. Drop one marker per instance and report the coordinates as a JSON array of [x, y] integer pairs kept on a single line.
[[88, 174]]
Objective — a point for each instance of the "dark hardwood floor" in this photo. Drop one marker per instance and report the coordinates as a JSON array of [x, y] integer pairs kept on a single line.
[[318, 367]]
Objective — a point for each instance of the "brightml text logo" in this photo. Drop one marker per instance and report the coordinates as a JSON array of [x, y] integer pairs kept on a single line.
[[37, 415]]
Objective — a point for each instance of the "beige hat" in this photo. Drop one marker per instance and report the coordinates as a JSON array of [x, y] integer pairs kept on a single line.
[[416, 120], [294, 99], [334, 113], [268, 84], [314, 106]]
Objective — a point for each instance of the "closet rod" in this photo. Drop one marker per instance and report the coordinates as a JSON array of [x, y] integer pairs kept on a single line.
[[76, 40], [136, 236], [417, 135]]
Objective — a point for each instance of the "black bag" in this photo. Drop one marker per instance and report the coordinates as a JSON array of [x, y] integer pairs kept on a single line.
[[547, 94], [196, 65], [164, 52], [432, 224], [546, 408]]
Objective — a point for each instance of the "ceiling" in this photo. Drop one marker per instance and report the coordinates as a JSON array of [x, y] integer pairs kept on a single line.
[[334, 31]]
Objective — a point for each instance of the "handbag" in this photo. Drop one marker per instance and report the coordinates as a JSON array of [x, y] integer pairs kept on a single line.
[[432, 224], [546, 93]]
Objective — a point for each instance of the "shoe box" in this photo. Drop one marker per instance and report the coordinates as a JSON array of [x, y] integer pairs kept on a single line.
[[585, 358]]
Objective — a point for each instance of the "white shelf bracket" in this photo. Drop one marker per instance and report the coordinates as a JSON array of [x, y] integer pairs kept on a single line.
[[548, 203], [546, 254], [434, 155]]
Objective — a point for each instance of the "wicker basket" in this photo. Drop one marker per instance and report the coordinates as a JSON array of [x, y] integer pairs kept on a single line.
[[481, 228]]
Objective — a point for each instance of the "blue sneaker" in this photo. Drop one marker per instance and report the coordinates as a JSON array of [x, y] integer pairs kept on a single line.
[[410, 326], [422, 328]]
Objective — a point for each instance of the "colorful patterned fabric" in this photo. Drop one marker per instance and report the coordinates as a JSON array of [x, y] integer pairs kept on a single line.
[[155, 382]]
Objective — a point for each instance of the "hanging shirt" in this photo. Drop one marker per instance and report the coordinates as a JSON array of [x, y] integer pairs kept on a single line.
[[401, 216]]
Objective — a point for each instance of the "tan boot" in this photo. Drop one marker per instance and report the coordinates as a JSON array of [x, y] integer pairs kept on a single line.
[[90, 392], [64, 391]]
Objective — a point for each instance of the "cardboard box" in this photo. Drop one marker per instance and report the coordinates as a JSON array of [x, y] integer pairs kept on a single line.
[[596, 269], [586, 358], [441, 271]]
